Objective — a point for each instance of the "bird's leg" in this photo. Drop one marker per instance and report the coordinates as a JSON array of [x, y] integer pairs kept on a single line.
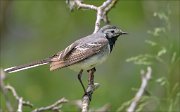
[[80, 80]]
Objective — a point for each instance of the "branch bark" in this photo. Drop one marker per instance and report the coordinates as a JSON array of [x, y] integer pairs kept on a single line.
[[53, 107], [89, 91], [20, 100], [145, 78], [5, 89], [101, 10], [87, 98]]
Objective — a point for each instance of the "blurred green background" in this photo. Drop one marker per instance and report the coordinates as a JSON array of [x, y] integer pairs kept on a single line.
[[32, 30]]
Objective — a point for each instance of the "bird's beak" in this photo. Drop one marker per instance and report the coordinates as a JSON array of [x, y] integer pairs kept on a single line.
[[122, 33]]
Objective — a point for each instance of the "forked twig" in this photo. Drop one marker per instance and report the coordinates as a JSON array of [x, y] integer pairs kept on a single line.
[[53, 107], [101, 10], [20, 100], [145, 78]]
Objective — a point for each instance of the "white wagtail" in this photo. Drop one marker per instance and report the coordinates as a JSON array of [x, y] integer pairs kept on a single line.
[[83, 54]]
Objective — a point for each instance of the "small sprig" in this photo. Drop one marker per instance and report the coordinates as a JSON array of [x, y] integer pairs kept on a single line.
[[53, 107], [101, 10], [145, 78]]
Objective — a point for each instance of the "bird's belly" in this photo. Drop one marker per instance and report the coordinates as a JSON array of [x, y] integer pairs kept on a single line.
[[90, 62]]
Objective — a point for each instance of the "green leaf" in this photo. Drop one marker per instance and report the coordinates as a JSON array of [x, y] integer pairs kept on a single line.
[[152, 43], [161, 16], [141, 59], [161, 52], [162, 81], [156, 32]]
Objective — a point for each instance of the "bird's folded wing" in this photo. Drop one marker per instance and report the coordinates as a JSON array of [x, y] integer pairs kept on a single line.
[[64, 53], [78, 54]]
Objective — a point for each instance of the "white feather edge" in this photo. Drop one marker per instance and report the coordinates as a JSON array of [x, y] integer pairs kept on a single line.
[[24, 68]]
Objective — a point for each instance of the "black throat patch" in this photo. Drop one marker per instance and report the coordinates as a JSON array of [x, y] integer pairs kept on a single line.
[[112, 42]]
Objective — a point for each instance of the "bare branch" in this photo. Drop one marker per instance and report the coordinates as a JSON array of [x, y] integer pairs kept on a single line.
[[102, 11], [4, 91], [54, 107], [105, 108], [110, 6], [145, 78], [20, 100], [107, 9], [20, 105], [85, 6], [84, 104]]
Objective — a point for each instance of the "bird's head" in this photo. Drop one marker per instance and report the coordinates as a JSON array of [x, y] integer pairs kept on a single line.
[[111, 32]]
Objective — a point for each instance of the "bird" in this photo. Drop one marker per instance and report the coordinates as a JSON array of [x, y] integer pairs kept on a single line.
[[83, 54]]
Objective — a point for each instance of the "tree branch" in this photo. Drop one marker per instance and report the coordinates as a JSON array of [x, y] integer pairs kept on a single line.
[[4, 89], [89, 91], [20, 100], [107, 9], [54, 107], [102, 10], [87, 98], [145, 78], [85, 6]]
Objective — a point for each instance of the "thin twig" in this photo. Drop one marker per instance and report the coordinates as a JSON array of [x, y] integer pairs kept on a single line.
[[84, 104], [54, 107], [102, 11], [85, 6], [107, 9], [105, 108], [4, 91], [89, 91], [20, 100], [145, 78]]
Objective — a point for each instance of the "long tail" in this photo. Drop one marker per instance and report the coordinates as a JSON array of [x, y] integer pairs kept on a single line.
[[27, 66]]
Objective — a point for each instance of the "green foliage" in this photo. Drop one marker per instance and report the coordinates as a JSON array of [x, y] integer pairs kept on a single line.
[[164, 55], [141, 104], [142, 59], [172, 100]]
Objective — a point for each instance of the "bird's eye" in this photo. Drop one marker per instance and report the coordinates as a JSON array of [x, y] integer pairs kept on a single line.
[[112, 31]]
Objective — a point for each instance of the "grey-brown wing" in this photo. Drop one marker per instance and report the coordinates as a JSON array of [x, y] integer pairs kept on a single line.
[[78, 54], [64, 53]]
